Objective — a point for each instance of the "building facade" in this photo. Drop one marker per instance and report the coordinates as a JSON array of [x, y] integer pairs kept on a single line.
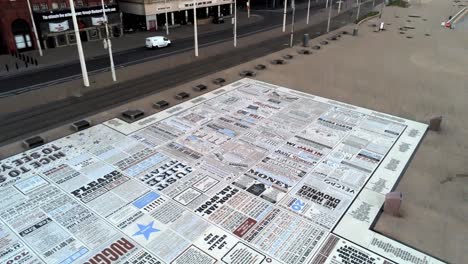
[[15, 26], [53, 22], [150, 14]]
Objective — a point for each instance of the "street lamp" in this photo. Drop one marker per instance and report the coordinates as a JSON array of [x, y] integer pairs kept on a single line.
[[34, 29], [108, 42], [195, 27], [84, 71], [358, 10], [293, 5], [235, 23], [165, 14], [284, 14], [329, 15]]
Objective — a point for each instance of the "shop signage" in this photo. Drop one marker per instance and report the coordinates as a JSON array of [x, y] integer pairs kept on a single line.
[[80, 12]]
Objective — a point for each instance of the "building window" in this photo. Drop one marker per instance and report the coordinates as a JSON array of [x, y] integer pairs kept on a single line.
[[79, 3], [55, 6], [63, 5], [36, 7], [44, 7]]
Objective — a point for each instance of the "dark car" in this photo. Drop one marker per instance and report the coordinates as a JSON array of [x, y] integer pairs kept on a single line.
[[218, 20]]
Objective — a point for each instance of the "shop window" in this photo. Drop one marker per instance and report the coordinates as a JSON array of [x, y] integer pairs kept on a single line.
[[79, 3], [71, 38], [36, 7], [93, 34], [44, 7], [22, 35], [20, 42], [55, 6], [63, 5], [62, 40]]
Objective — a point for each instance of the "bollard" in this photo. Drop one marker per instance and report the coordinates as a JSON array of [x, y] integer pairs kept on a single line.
[[393, 203], [305, 40], [26, 64], [6, 67], [355, 31], [435, 123], [35, 61], [16, 65]]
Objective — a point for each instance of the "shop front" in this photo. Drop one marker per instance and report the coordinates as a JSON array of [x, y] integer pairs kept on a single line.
[[151, 15], [56, 27]]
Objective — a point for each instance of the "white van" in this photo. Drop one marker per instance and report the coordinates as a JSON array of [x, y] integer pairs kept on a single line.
[[157, 42]]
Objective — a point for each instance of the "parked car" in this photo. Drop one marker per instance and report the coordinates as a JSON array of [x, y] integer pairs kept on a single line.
[[157, 42], [218, 20]]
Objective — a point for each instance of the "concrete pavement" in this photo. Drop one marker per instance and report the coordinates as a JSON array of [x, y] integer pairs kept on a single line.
[[415, 78]]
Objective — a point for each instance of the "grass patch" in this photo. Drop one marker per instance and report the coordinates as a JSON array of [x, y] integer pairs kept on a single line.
[[400, 3], [372, 13]]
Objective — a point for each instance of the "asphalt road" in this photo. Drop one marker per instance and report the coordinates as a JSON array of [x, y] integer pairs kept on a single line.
[[38, 119], [65, 72]]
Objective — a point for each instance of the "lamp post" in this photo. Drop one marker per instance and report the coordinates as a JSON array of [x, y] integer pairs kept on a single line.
[[38, 43], [293, 5], [329, 15], [358, 10], [195, 30], [235, 23], [84, 71], [165, 14], [108, 42], [284, 14]]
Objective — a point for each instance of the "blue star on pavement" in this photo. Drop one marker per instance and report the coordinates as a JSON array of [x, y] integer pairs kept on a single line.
[[146, 230]]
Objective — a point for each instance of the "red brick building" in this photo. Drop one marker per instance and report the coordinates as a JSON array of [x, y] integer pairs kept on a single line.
[[15, 21], [53, 22]]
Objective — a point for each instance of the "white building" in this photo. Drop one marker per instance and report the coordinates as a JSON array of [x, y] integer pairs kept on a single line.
[[151, 13]]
